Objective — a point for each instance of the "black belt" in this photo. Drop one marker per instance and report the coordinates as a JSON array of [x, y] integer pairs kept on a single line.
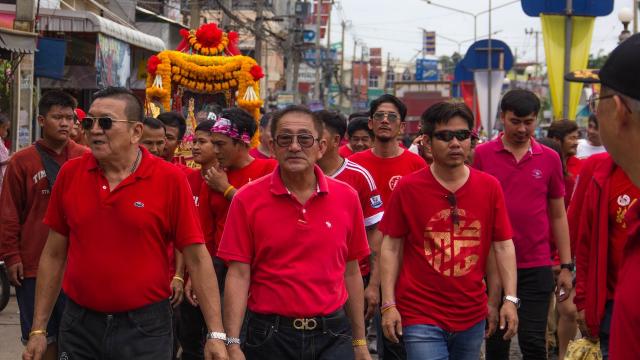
[[161, 305], [302, 324]]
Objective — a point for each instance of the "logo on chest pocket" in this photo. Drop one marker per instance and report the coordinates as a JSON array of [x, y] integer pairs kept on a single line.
[[536, 173], [138, 204]]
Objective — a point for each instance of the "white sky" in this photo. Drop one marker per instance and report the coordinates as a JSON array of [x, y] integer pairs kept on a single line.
[[394, 26]]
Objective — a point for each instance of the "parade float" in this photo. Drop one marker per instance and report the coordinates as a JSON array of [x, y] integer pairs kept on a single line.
[[205, 69]]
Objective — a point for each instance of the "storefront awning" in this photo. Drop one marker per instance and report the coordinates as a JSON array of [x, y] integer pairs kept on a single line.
[[18, 41], [84, 21]]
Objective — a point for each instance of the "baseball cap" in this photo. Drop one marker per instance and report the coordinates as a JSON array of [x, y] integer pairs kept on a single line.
[[621, 71]]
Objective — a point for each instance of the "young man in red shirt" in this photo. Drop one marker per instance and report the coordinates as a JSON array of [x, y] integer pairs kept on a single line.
[[154, 136], [565, 133], [231, 137], [262, 150], [25, 196], [191, 328], [111, 211], [618, 111], [293, 240], [359, 135], [339, 168], [435, 251], [533, 184]]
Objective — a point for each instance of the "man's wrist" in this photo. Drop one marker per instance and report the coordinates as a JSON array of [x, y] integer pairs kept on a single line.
[[217, 335]]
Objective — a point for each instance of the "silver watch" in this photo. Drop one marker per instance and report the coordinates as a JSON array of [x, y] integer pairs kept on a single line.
[[512, 299], [213, 335], [233, 341]]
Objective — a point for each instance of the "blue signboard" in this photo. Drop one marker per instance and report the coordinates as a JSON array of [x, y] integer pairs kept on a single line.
[[325, 55], [49, 60], [580, 7], [477, 56], [427, 70]]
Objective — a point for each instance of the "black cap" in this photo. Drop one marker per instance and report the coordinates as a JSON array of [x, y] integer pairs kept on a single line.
[[621, 71]]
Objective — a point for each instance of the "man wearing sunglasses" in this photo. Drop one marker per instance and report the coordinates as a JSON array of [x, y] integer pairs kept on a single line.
[[26, 190], [111, 216], [618, 112], [293, 240], [435, 250], [533, 184]]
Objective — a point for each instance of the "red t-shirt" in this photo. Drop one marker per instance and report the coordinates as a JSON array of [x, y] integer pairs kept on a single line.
[[527, 185], [256, 154], [443, 265], [362, 182], [573, 166], [622, 195], [345, 151], [214, 206], [298, 253], [387, 171], [117, 255], [625, 342]]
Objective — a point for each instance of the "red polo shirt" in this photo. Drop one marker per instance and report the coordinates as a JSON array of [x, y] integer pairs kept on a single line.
[[362, 182], [214, 206], [298, 253], [443, 264], [117, 255], [387, 171], [625, 342], [527, 185]]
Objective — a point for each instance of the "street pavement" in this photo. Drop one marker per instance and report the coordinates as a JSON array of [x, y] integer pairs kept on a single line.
[[10, 345]]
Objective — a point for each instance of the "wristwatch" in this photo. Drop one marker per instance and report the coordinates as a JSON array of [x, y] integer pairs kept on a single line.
[[512, 299], [568, 266], [233, 340], [213, 335]]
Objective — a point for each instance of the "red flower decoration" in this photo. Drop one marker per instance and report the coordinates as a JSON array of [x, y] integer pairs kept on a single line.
[[256, 72], [209, 35], [232, 48], [152, 64]]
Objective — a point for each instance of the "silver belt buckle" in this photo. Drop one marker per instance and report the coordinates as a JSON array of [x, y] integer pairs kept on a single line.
[[305, 324]]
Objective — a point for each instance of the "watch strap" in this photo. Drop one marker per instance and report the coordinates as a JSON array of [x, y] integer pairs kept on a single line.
[[214, 335]]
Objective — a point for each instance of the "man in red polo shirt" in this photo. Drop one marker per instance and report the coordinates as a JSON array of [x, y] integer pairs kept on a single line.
[[337, 167], [435, 251], [119, 205], [533, 184], [299, 279], [231, 137], [618, 111], [31, 173]]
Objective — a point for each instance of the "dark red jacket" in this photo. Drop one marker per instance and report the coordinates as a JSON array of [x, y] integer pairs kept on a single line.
[[589, 229], [23, 203]]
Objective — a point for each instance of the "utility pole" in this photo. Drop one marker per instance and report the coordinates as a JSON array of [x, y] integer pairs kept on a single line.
[[316, 88], [258, 31], [225, 22], [194, 21], [489, 66], [568, 30], [342, 47], [537, 34]]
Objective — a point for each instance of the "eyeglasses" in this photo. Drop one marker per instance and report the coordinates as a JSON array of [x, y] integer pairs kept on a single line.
[[448, 135], [594, 101], [380, 115], [304, 140], [454, 208], [104, 122]]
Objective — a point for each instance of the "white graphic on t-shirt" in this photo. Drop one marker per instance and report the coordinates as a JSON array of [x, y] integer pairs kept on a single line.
[[328, 224], [394, 181], [624, 200]]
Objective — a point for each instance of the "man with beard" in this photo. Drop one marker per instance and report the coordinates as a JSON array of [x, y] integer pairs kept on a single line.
[[533, 183]]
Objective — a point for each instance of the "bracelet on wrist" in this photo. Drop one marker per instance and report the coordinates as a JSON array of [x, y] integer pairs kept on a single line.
[[359, 342], [229, 190], [179, 279], [387, 308], [38, 332], [233, 341]]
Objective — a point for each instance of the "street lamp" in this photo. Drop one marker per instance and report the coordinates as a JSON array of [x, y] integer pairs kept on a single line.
[[625, 15]]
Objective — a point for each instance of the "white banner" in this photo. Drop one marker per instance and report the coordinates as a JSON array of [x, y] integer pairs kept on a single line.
[[481, 78]]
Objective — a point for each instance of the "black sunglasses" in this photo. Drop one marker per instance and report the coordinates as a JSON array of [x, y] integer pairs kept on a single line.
[[454, 208], [448, 135], [104, 122], [304, 140]]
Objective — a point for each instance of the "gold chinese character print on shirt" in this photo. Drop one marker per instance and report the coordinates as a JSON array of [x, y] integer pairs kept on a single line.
[[452, 250]]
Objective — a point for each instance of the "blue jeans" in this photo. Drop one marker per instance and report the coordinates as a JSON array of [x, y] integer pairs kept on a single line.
[[25, 295], [431, 342], [605, 330]]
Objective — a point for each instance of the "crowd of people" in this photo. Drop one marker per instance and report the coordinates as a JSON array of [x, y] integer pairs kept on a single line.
[[328, 230]]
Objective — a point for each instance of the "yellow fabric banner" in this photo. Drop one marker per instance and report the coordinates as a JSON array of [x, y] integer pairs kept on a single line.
[[553, 33]]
